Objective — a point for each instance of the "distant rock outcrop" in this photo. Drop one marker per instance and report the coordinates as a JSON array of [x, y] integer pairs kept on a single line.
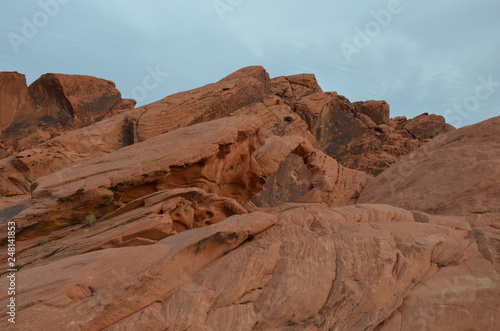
[[16, 104], [73, 99], [377, 111], [246, 204], [55, 102], [359, 135]]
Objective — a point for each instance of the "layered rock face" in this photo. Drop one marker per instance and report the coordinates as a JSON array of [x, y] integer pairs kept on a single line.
[[247, 204], [54, 103]]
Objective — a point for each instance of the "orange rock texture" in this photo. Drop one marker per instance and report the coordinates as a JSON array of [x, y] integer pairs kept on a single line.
[[247, 204]]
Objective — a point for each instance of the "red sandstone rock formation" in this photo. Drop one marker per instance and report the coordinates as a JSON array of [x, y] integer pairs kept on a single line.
[[55, 103], [74, 99], [247, 204], [454, 174], [16, 104]]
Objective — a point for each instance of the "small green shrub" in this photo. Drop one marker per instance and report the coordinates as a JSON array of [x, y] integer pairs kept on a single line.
[[43, 241], [90, 220], [318, 320]]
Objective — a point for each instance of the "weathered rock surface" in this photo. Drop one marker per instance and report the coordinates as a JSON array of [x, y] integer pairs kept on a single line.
[[244, 87], [426, 126], [292, 105], [248, 204], [124, 129], [290, 182], [361, 267], [377, 111], [15, 101], [19, 171], [55, 102], [360, 135], [457, 173], [73, 98], [233, 161]]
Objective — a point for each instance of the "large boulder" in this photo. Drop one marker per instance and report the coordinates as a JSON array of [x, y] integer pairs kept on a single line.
[[53, 104], [16, 104], [75, 100], [377, 111], [426, 126]]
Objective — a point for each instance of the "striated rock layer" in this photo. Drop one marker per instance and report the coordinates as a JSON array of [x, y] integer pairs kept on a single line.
[[455, 174], [293, 105], [247, 204], [357, 268]]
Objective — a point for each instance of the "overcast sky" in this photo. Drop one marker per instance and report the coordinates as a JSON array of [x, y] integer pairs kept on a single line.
[[421, 56]]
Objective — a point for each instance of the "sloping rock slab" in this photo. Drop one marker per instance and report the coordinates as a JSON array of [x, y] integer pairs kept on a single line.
[[457, 173]]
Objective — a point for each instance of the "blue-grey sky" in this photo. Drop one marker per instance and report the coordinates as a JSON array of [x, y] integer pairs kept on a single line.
[[421, 56]]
